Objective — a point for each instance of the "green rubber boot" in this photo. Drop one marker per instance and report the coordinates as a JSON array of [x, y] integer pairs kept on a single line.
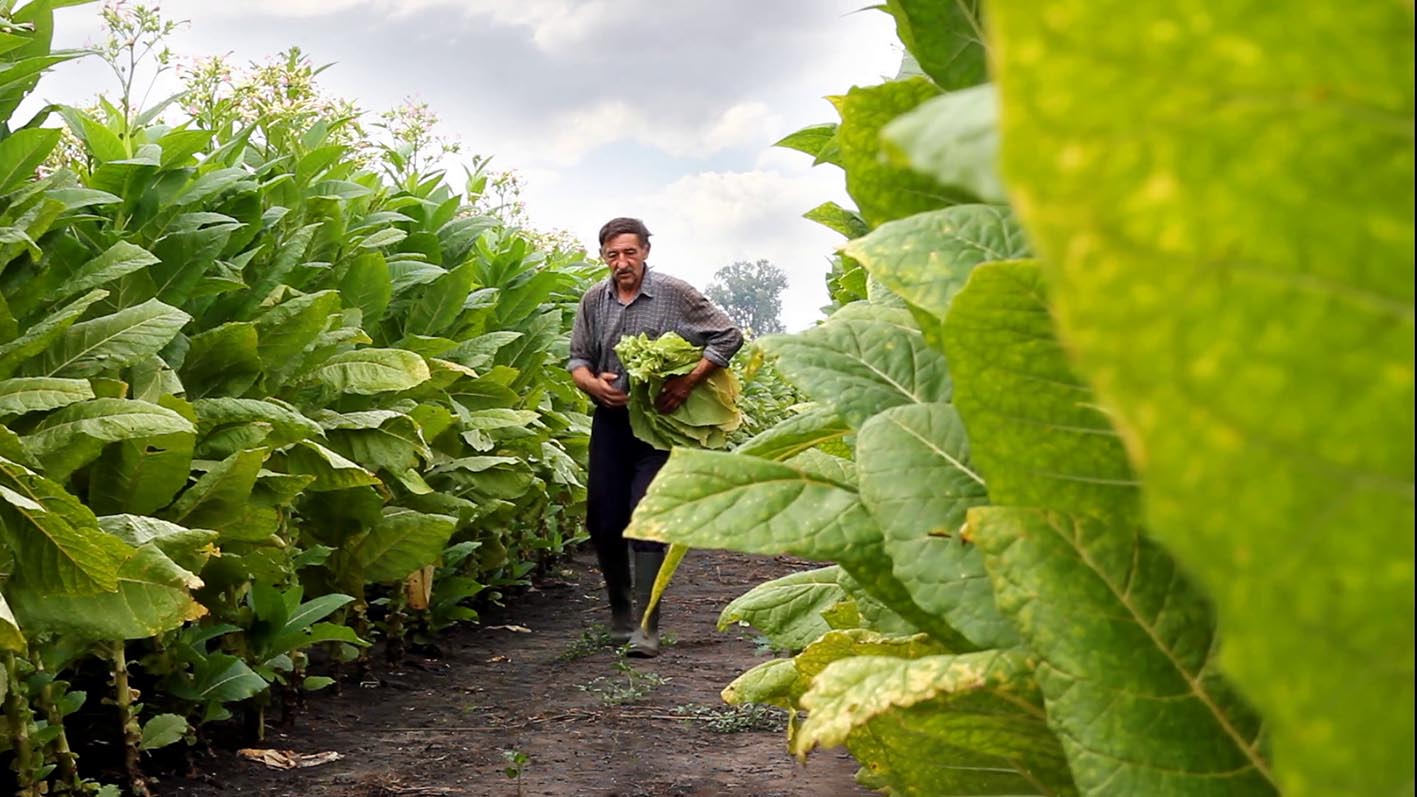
[[644, 643], [616, 570]]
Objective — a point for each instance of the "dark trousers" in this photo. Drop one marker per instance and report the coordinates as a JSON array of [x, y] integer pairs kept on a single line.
[[621, 468]]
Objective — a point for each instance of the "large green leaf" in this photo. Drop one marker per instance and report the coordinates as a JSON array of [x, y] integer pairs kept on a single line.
[[1237, 282], [946, 37], [971, 724], [222, 361], [884, 191], [835, 217], [114, 341], [796, 434], [142, 475], [441, 303], [189, 548], [810, 139], [369, 371], [788, 610], [22, 152], [366, 285], [287, 425], [782, 682], [1040, 439], [56, 542], [219, 678], [382, 439], [917, 481], [861, 367], [153, 596], [926, 258], [267, 277], [189, 255], [40, 336], [72, 436], [59, 283], [401, 543], [221, 499], [163, 730], [1140, 637], [953, 139], [40, 394], [331, 470], [707, 499], [1132, 687], [288, 328], [768, 684]]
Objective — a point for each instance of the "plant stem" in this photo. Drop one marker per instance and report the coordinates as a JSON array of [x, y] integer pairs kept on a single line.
[[394, 628], [362, 668], [132, 731], [19, 717], [293, 695], [65, 760]]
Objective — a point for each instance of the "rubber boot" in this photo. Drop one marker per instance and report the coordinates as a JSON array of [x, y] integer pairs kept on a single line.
[[616, 570], [644, 643]]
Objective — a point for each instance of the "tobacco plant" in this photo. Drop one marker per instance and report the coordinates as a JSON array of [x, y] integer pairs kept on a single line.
[[1112, 436], [251, 385]]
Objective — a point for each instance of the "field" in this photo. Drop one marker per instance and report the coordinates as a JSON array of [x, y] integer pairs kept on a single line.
[[1101, 456], [445, 724]]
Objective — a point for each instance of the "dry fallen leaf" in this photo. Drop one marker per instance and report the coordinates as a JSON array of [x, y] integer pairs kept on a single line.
[[287, 759]]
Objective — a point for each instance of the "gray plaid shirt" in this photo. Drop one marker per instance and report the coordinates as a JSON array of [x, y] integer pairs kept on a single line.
[[664, 304]]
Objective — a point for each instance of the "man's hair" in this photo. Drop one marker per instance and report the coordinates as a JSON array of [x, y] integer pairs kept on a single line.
[[622, 225]]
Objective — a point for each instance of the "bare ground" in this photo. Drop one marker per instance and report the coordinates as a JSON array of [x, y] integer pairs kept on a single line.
[[440, 726]]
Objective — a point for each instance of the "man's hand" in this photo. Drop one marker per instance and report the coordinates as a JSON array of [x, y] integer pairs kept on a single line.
[[606, 393], [675, 392], [676, 389], [601, 388]]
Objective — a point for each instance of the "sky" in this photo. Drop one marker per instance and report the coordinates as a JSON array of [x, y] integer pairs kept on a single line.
[[662, 110]]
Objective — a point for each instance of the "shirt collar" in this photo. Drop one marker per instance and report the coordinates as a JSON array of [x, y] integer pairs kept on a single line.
[[646, 285]]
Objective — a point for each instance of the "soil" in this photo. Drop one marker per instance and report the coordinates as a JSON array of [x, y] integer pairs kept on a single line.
[[527, 681]]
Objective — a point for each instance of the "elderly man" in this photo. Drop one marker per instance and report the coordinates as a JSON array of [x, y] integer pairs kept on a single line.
[[634, 300]]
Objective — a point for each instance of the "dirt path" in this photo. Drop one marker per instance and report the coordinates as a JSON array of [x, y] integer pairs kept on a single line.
[[440, 726]]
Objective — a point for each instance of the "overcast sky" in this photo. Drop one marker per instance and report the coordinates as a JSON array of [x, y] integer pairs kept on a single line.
[[662, 110]]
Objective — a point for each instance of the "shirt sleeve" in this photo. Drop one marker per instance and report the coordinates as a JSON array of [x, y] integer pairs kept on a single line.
[[704, 324], [582, 341]]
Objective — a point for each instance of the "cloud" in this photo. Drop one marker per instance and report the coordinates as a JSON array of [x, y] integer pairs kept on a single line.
[[552, 23], [583, 130], [707, 220]]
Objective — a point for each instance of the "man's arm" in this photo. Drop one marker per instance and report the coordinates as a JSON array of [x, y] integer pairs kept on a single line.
[[708, 326], [702, 324], [583, 356]]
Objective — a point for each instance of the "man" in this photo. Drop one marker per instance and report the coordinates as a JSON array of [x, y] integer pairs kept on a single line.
[[634, 300]]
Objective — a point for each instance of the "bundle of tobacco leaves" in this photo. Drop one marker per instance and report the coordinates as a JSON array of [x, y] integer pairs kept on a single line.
[[704, 420]]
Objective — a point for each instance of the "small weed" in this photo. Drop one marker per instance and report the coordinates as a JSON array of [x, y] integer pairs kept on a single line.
[[592, 641], [516, 765], [667, 639], [742, 718], [635, 684]]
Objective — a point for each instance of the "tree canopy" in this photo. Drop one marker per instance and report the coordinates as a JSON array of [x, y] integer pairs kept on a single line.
[[751, 294]]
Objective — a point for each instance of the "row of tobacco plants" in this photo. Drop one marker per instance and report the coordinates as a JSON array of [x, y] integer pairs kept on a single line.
[[267, 396], [1112, 442]]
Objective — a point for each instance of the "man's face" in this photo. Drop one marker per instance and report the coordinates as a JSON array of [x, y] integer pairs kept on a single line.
[[625, 255]]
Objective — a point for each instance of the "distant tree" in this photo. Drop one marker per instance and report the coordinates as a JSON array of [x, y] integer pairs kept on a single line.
[[751, 294]]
